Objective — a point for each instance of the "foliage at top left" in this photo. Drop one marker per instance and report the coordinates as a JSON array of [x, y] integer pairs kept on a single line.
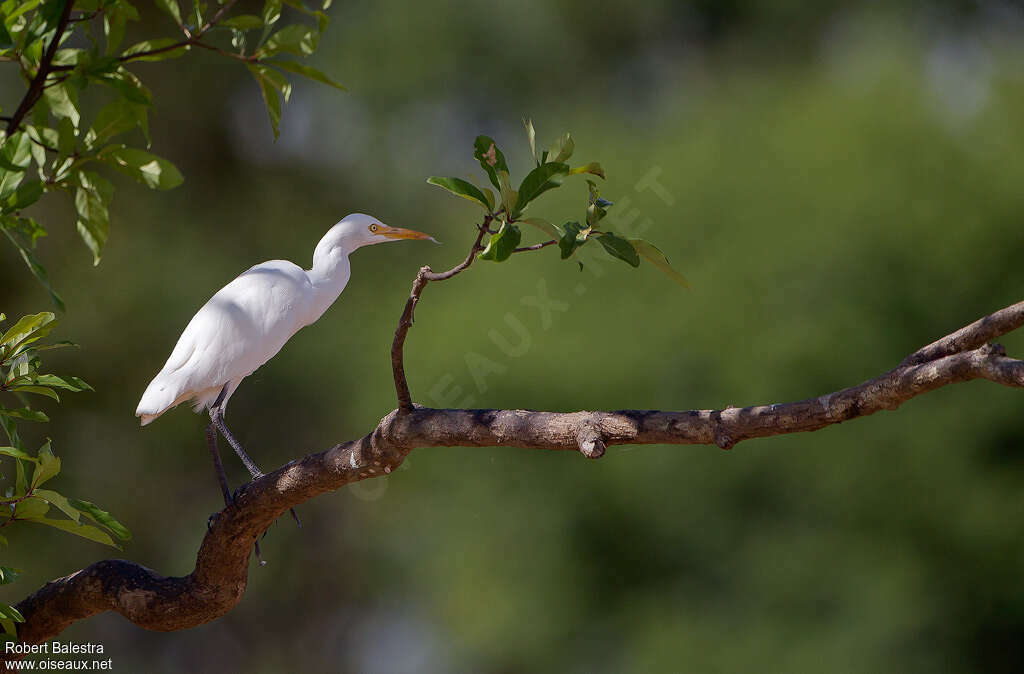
[[61, 137]]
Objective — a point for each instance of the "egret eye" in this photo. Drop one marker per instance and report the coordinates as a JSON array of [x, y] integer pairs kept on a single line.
[[373, 228]]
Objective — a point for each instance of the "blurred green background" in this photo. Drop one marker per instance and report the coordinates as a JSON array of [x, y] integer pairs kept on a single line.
[[841, 184]]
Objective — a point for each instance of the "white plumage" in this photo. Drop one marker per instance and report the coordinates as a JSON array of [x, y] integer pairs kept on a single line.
[[248, 321]]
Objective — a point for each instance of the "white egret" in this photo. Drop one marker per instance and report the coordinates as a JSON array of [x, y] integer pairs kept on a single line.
[[248, 321]]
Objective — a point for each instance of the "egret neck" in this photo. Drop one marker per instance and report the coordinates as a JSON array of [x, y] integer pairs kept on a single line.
[[329, 276]]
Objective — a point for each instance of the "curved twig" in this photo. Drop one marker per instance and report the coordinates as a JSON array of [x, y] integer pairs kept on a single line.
[[425, 275], [219, 579]]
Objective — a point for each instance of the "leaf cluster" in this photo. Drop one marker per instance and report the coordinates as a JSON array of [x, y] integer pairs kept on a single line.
[[26, 500], [57, 141], [507, 205]]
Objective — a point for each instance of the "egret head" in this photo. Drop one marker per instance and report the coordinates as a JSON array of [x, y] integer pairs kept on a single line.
[[358, 230]]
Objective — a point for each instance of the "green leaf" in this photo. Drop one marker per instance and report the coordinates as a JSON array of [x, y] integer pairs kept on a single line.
[[276, 80], [5, 38], [8, 575], [91, 200], [295, 39], [544, 226], [18, 454], [26, 195], [147, 46], [243, 22], [531, 134], [31, 508], [128, 85], [11, 613], [597, 207], [592, 168], [562, 149], [115, 19], [619, 247], [502, 244], [79, 529], [490, 157], [153, 171], [15, 158], [73, 384], [66, 137], [172, 8], [271, 12], [62, 100], [540, 180], [461, 188], [658, 259], [270, 99], [575, 236], [28, 329], [509, 196], [59, 502], [48, 466], [103, 518], [489, 194], [307, 71], [24, 413], [38, 390], [114, 118], [30, 261]]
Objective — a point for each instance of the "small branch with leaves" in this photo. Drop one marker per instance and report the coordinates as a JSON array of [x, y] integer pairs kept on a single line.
[[70, 155]]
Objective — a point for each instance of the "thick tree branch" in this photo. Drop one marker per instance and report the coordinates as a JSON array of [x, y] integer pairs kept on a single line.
[[155, 602]]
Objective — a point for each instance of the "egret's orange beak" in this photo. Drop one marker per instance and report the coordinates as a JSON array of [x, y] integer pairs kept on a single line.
[[400, 233]]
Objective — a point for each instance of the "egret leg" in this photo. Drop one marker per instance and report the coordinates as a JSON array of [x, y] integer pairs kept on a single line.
[[217, 418], [211, 441], [222, 478]]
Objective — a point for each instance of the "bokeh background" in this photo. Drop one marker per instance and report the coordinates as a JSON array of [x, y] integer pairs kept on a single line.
[[842, 183]]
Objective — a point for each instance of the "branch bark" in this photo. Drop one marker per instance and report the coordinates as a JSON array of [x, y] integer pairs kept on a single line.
[[216, 585]]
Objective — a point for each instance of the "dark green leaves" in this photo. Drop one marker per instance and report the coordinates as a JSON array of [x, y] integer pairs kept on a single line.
[[619, 247], [462, 188], [155, 50], [172, 9], [27, 330], [490, 157], [544, 226], [153, 171], [540, 180], [271, 12], [269, 91], [103, 518], [502, 244], [658, 259], [91, 199], [562, 149], [297, 39], [575, 235], [307, 71], [243, 22]]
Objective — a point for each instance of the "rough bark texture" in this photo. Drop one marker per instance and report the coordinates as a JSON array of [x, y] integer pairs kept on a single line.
[[216, 585]]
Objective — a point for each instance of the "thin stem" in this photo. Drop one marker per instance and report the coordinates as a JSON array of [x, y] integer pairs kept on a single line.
[[536, 246], [424, 276], [35, 88]]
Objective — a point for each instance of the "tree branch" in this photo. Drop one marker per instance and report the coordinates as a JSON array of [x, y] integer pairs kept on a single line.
[[424, 276], [35, 88], [216, 585]]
